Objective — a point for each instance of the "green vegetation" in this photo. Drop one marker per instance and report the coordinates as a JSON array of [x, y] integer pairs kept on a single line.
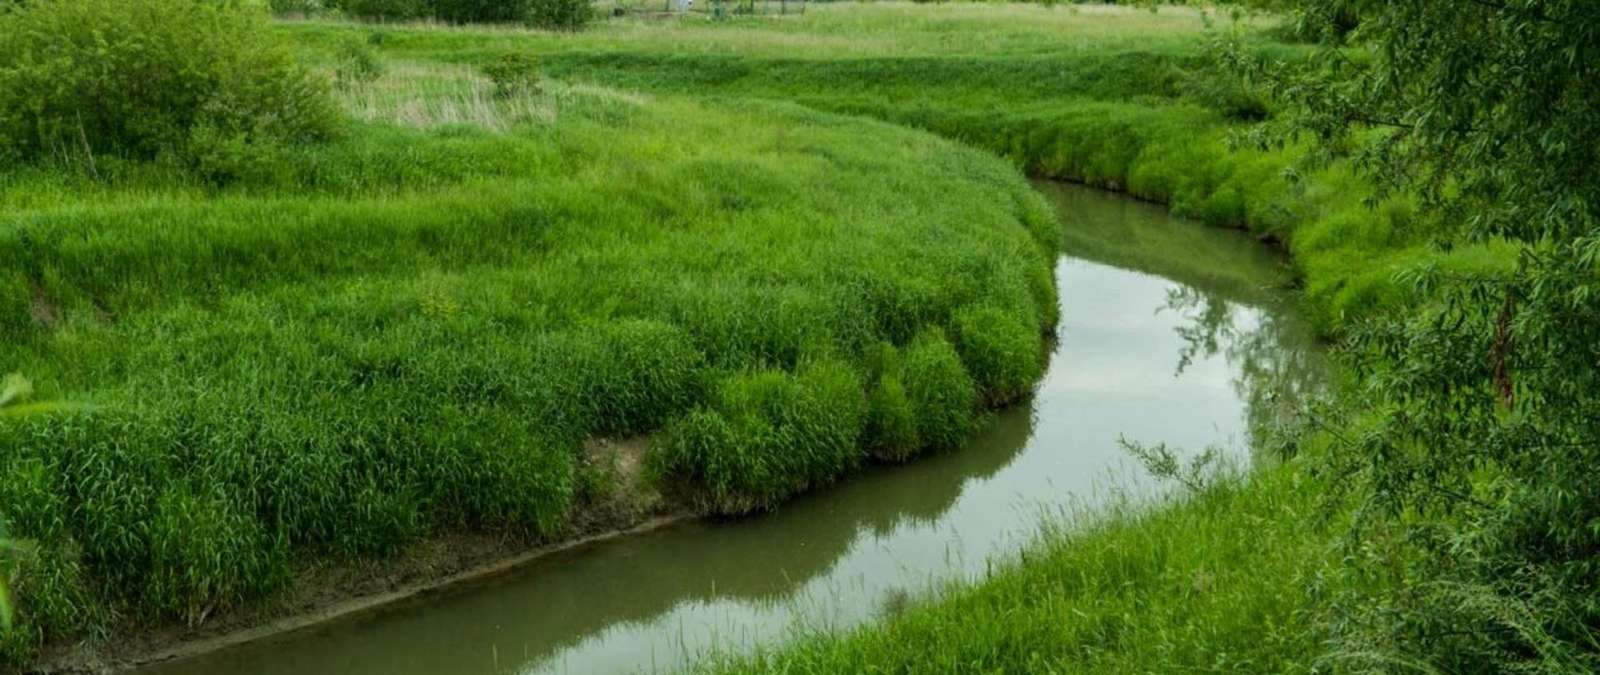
[[13, 391], [1470, 444], [768, 435], [409, 329], [924, 399], [1449, 243], [194, 81], [548, 14], [724, 232], [1176, 589], [1130, 100]]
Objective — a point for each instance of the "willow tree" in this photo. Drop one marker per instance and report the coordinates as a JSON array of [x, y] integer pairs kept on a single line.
[[1478, 439]]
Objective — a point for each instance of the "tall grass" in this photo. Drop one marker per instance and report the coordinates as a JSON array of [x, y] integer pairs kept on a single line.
[[1117, 97], [1157, 588], [411, 330]]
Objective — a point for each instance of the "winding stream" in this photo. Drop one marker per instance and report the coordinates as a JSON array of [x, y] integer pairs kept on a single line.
[[1171, 332]]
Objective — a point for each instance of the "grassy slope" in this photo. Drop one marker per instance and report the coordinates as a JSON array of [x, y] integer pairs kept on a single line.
[[412, 330]]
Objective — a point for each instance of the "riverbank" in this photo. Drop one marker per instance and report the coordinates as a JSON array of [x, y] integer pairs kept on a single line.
[[408, 334]]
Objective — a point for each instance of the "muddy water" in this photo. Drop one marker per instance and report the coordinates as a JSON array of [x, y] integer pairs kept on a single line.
[[1171, 332]]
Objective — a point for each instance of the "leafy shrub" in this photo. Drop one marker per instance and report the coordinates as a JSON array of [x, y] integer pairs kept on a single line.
[[357, 63], [384, 10], [768, 435], [294, 7], [1001, 352], [143, 79], [478, 11], [559, 14], [515, 74]]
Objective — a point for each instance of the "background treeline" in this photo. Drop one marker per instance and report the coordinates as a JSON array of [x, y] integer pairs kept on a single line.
[[552, 14]]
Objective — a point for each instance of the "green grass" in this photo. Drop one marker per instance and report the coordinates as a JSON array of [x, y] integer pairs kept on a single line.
[[1121, 98], [411, 331], [1131, 589]]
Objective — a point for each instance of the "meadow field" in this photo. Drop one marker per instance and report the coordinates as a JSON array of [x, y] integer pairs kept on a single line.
[[779, 248]]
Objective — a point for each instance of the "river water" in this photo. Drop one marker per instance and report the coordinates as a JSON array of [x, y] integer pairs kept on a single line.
[[1171, 332]]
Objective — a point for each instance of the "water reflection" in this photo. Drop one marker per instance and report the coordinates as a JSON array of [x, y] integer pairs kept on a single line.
[[1277, 362], [1229, 294], [1171, 333]]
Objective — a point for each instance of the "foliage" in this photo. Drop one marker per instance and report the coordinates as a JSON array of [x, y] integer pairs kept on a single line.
[[479, 11], [13, 390], [1481, 433], [924, 400], [1128, 589], [1380, 227], [891, 431], [82, 78], [357, 63], [943, 397], [515, 74], [563, 15], [384, 10]]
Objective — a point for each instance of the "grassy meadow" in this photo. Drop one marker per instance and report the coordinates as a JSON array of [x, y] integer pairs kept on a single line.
[[784, 247], [1117, 97], [411, 330]]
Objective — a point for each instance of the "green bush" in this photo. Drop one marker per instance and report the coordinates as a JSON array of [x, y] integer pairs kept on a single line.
[[356, 62], [80, 78], [478, 11], [294, 7], [514, 74], [384, 10], [1001, 352], [923, 400], [768, 435], [559, 14]]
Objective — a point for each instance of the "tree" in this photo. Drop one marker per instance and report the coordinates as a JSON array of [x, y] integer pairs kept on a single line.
[[1480, 434]]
